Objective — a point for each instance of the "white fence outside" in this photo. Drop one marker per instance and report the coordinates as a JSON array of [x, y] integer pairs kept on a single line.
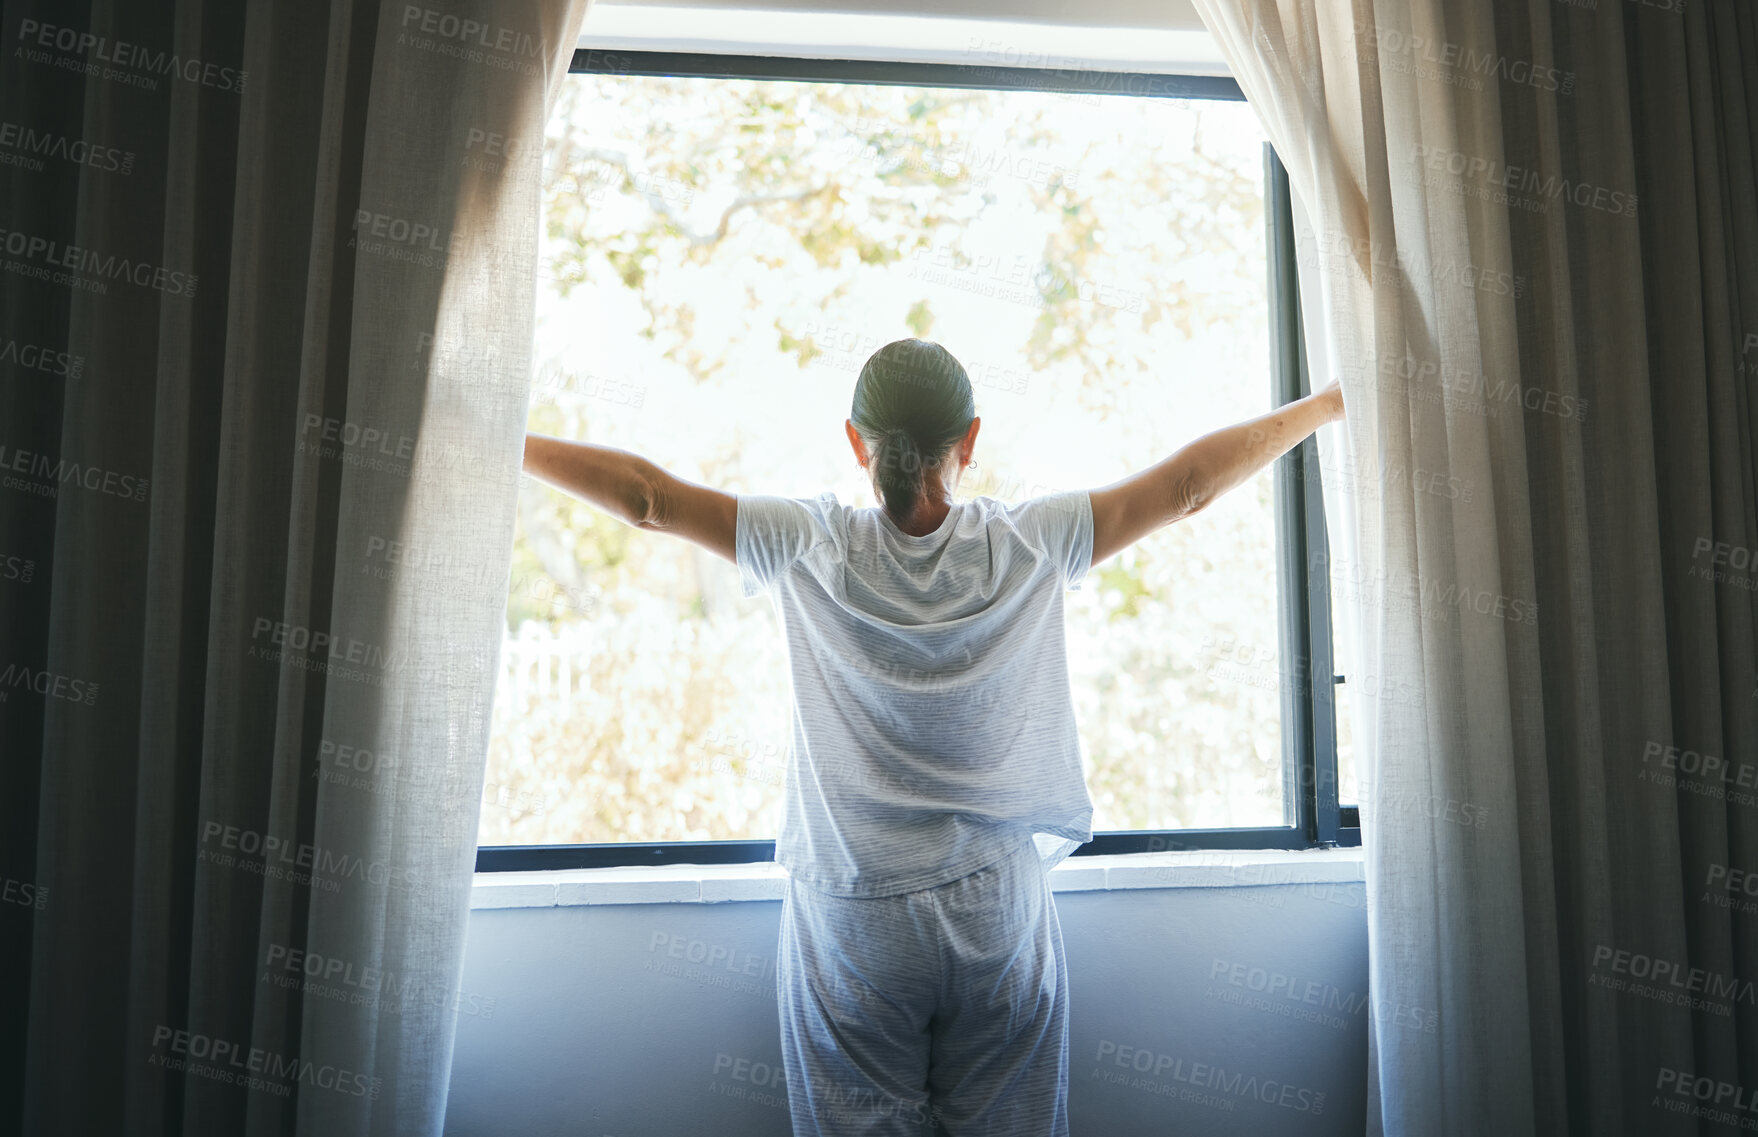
[[541, 669]]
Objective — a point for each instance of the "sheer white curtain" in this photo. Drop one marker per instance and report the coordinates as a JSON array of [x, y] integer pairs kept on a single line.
[[1532, 258], [300, 294]]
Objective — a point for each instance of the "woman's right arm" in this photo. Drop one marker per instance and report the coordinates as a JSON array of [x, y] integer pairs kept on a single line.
[[1127, 511]]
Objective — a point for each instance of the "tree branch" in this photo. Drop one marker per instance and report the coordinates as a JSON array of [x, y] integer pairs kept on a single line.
[[750, 201], [656, 201]]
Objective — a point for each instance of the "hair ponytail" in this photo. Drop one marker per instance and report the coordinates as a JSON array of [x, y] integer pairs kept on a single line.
[[897, 466]]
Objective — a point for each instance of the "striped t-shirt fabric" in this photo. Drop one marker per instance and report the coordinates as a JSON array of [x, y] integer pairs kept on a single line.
[[933, 720]]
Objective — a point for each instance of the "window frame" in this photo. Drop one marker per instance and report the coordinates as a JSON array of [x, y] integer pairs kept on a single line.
[[1313, 817]]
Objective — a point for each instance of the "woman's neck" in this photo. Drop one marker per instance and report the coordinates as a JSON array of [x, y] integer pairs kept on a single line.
[[926, 517]]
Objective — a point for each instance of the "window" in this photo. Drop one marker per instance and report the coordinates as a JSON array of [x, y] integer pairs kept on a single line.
[[726, 240]]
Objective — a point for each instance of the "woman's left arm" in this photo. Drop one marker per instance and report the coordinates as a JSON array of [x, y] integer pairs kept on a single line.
[[635, 491]]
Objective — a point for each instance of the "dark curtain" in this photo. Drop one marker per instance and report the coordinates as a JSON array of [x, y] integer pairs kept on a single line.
[[261, 320]]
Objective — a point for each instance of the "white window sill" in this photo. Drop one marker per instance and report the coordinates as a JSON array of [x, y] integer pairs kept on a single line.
[[714, 884]]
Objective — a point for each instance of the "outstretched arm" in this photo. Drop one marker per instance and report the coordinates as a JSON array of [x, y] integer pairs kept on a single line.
[[1203, 470], [635, 490]]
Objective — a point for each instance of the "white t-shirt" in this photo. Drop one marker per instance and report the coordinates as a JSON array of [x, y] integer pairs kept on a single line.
[[933, 723]]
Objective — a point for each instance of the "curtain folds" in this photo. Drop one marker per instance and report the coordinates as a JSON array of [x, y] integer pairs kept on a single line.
[[1532, 260], [264, 345]]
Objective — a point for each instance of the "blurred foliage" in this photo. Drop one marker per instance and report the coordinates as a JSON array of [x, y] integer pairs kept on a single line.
[[736, 220]]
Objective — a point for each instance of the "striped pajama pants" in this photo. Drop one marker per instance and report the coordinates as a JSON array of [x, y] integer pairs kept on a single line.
[[943, 1011]]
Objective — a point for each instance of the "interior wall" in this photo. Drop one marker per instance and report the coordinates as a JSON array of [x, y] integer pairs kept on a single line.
[[1195, 1011]]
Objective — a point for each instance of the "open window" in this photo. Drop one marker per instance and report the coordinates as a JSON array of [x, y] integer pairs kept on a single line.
[[726, 240]]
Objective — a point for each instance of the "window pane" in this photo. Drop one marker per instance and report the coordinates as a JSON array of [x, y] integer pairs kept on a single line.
[[721, 257]]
